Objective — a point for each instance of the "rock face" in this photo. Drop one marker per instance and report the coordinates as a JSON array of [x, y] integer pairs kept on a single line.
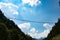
[[55, 32], [10, 31]]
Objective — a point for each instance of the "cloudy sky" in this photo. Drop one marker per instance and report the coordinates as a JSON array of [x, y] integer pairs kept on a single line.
[[33, 17]]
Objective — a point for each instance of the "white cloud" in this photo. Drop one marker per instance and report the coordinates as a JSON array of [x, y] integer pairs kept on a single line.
[[48, 26], [9, 8], [39, 35], [33, 30], [31, 2], [24, 26], [14, 11], [8, 4], [44, 33]]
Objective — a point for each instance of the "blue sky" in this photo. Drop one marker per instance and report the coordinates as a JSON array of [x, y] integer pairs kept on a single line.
[[33, 10]]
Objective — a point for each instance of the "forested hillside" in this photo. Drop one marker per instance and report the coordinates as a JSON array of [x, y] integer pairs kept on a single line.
[[10, 31]]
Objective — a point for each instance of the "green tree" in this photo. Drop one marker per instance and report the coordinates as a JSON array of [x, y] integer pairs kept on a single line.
[[13, 34], [3, 31]]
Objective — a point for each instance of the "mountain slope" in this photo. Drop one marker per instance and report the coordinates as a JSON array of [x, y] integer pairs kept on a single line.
[[56, 37], [10, 31], [55, 32]]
